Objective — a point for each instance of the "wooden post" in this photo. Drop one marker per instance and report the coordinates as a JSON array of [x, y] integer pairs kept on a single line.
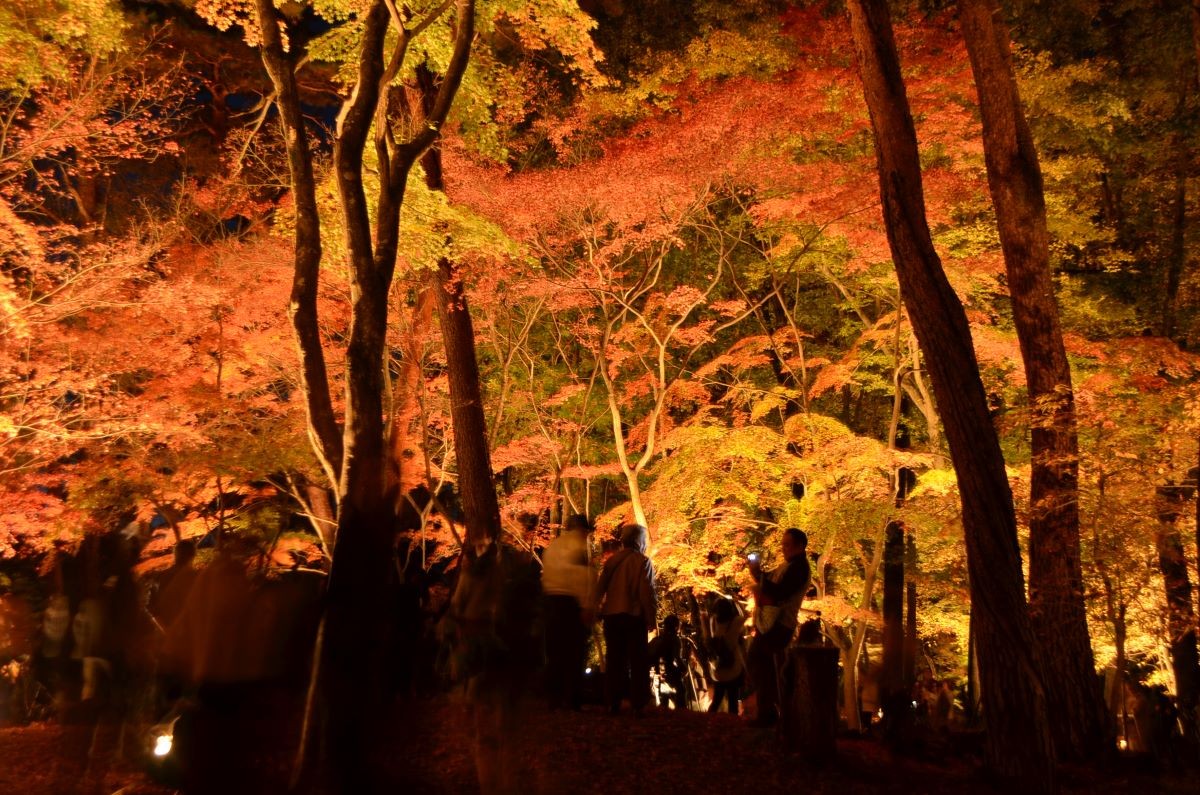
[[810, 713]]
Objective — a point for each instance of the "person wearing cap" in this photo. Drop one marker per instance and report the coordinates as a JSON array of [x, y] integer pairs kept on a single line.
[[627, 605], [567, 589]]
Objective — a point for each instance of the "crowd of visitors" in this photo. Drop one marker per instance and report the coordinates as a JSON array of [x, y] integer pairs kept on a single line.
[[642, 660]]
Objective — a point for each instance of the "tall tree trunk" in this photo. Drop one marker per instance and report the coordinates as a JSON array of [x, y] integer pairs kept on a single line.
[[1018, 742], [351, 665], [406, 435], [350, 662], [475, 483], [910, 612], [1177, 258], [1181, 617], [891, 680], [1057, 610], [323, 430], [893, 695]]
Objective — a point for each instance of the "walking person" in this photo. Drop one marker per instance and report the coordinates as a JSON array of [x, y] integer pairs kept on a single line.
[[627, 606], [567, 585]]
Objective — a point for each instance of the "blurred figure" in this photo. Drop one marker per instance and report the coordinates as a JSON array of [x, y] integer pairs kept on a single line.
[[567, 585], [727, 626], [665, 653], [627, 605], [492, 624], [176, 584]]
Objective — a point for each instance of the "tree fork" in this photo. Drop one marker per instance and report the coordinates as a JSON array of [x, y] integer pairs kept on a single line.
[[1018, 744]]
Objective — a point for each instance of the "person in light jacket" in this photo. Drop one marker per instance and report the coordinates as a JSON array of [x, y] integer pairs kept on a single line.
[[567, 589]]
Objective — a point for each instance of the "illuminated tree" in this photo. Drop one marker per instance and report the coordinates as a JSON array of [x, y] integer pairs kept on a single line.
[[1055, 577], [1019, 741]]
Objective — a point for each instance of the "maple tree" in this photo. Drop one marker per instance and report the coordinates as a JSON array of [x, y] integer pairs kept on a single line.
[[666, 264]]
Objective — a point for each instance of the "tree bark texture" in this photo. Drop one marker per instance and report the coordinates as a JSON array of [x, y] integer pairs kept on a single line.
[[406, 436], [910, 634], [1057, 611], [475, 483], [353, 638], [910, 611], [1018, 742], [323, 430], [892, 678], [1181, 617]]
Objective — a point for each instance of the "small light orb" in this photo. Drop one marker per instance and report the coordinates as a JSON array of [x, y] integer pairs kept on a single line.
[[162, 745]]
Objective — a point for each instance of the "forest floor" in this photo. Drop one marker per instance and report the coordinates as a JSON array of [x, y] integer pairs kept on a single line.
[[550, 753]]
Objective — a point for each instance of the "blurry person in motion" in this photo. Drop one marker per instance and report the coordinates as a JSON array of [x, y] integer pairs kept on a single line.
[[567, 588], [666, 652]]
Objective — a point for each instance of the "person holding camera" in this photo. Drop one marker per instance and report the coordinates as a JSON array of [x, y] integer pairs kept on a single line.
[[778, 595]]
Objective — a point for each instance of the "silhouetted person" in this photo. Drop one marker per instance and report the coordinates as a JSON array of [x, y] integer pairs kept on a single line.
[[567, 585], [666, 652], [726, 627], [778, 597], [492, 619], [627, 606]]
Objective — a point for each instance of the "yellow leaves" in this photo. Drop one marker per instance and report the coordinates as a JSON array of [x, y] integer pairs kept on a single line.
[[812, 431], [936, 483], [40, 36]]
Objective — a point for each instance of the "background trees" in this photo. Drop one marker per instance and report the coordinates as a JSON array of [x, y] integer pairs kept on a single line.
[[667, 243]]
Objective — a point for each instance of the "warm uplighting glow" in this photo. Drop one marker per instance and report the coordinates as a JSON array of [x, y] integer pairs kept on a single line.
[[162, 745], [1123, 744]]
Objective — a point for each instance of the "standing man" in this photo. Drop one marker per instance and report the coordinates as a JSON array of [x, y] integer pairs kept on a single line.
[[567, 585], [627, 605], [778, 596]]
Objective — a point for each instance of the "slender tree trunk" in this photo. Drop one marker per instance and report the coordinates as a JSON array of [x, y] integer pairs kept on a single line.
[[1018, 741], [850, 663], [910, 610], [475, 483], [892, 678], [406, 436], [323, 430], [1195, 20], [1177, 259], [1057, 610], [974, 697], [1181, 617]]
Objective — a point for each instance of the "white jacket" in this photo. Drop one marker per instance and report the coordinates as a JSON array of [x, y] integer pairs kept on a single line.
[[565, 569]]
